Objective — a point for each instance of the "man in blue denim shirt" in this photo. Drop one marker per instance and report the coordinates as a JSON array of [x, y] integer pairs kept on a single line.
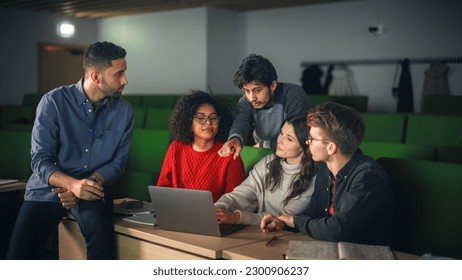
[[352, 199], [80, 143]]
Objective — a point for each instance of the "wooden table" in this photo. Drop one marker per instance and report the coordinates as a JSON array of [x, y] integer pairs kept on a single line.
[[143, 242], [16, 186], [136, 242], [277, 250]]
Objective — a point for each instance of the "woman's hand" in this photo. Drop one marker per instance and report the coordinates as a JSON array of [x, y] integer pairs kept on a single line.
[[227, 217], [270, 223]]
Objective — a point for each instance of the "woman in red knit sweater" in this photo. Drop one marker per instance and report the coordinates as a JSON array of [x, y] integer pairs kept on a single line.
[[199, 125]]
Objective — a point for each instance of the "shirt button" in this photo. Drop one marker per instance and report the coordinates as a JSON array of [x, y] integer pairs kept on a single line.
[[89, 110], [86, 150], [327, 189], [85, 167], [325, 209]]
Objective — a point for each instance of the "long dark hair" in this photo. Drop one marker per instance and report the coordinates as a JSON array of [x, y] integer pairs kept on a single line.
[[300, 183]]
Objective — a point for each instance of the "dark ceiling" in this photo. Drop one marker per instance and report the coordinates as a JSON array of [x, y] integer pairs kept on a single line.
[[111, 8]]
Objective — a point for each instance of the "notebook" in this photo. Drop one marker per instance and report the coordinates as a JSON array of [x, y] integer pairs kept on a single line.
[[144, 219], [133, 207], [187, 210]]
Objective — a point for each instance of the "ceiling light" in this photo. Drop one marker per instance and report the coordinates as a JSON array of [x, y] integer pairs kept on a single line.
[[66, 29]]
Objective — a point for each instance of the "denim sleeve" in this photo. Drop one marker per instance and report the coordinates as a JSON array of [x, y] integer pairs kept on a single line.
[[45, 143]]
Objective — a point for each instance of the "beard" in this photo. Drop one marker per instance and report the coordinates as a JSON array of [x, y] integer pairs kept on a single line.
[[109, 91]]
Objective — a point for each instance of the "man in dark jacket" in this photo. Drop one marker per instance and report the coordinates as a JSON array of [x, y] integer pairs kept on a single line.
[[352, 199]]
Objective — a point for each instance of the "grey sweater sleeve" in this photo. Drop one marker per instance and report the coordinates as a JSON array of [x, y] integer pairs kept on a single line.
[[295, 206], [249, 195], [297, 100], [243, 123]]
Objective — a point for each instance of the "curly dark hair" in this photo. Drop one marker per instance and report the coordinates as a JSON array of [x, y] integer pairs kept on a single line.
[[255, 68], [186, 108], [308, 167], [101, 54]]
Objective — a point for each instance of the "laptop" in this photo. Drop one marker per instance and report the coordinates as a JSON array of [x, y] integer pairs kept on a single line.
[[187, 210]]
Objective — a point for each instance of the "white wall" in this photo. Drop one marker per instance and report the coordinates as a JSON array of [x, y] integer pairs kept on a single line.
[[20, 34], [415, 28], [174, 51], [224, 49], [166, 51], [209, 44]]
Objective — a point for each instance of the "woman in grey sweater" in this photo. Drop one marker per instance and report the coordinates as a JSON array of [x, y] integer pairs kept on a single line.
[[279, 183]]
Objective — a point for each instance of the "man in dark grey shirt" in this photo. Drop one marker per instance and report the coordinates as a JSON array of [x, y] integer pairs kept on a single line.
[[264, 106]]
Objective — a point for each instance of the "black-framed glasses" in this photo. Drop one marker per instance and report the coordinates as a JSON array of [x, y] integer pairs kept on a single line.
[[202, 119], [310, 139]]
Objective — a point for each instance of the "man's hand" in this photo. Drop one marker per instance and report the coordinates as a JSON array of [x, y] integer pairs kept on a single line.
[[269, 223], [233, 146], [288, 220], [227, 217], [68, 199], [87, 189]]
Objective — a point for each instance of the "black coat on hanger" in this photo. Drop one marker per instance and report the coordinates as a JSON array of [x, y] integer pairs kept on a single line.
[[405, 92], [311, 80]]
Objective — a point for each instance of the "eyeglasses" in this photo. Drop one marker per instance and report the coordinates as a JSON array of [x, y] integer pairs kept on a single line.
[[310, 139], [202, 119]]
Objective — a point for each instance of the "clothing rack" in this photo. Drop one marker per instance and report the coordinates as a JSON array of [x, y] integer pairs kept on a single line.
[[447, 59]]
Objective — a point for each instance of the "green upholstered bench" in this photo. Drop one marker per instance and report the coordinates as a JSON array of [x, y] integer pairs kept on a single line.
[[15, 159], [434, 130], [381, 127], [426, 205], [251, 155], [399, 150], [158, 118]]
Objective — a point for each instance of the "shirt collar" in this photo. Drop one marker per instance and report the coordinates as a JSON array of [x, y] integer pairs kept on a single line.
[[355, 159], [81, 97]]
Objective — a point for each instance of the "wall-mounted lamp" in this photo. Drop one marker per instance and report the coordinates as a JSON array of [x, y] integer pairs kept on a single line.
[[377, 30], [66, 29]]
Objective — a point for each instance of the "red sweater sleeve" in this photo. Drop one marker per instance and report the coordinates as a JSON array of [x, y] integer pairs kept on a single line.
[[165, 177], [235, 174]]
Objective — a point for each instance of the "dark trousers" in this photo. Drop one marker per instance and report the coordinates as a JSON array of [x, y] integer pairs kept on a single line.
[[37, 221]]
